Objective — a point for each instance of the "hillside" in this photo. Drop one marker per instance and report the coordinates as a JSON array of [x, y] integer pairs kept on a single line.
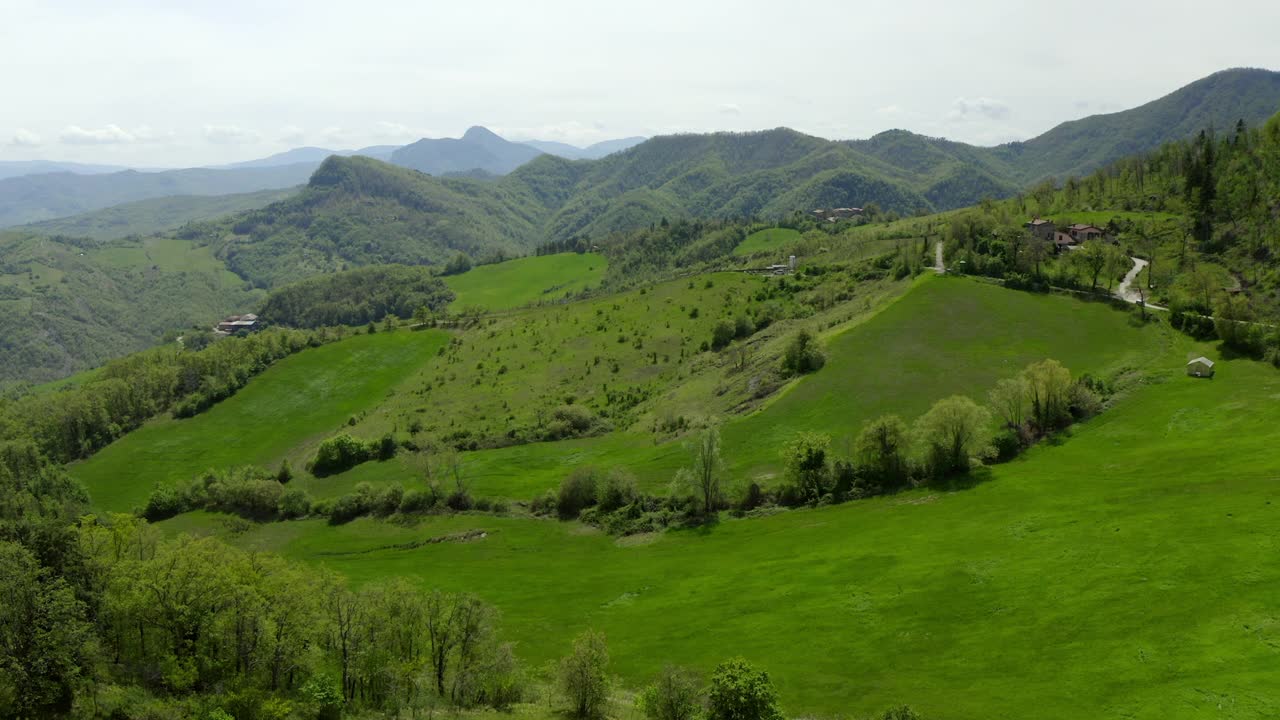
[[67, 305], [34, 198], [477, 149], [155, 215], [938, 577], [1082, 146]]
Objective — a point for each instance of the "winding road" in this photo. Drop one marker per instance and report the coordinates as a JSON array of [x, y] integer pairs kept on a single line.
[[1126, 289]]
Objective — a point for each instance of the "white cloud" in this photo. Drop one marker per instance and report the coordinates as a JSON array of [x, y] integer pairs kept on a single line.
[[965, 108], [730, 109], [24, 138], [292, 135], [109, 135], [229, 134], [889, 110]]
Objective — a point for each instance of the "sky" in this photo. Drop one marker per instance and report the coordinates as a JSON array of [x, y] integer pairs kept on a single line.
[[163, 84]]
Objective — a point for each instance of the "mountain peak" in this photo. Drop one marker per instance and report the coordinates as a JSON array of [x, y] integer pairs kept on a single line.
[[479, 133]]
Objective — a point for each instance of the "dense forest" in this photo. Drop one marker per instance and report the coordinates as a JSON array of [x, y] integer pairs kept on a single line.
[[356, 297]]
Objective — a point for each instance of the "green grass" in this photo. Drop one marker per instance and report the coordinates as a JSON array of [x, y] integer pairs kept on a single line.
[[767, 240], [290, 407], [1127, 572], [946, 336], [515, 283]]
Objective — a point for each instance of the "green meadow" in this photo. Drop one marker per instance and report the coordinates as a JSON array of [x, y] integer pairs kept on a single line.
[[767, 240], [1110, 574], [290, 407], [515, 283]]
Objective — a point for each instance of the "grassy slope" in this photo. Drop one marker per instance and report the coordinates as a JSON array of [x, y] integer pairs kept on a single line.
[[1109, 576], [766, 240], [298, 402], [514, 283]]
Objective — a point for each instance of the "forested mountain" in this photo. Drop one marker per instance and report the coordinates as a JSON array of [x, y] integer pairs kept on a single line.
[[477, 149], [1079, 147], [67, 304], [312, 155], [147, 217], [33, 198]]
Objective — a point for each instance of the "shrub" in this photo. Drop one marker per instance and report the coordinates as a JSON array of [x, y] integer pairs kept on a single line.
[[387, 447], [348, 508], [721, 335], [415, 501], [164, 503], [675, 695], [618, 490], [743, 327], [389, 500], [802, 355], [459, 500], [577, 491], [285, 473], [752, 497], [545, 504], [294, 503], [740, 692], [584, 678], [339, 453]]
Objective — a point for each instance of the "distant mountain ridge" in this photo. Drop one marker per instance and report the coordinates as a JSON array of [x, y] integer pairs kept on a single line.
[[18, 168], [595, 151], [477, 149]]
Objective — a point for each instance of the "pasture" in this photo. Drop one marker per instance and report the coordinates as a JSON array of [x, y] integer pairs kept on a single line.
[[1108, 575], [524, 281], [289, 408], [767, 240]]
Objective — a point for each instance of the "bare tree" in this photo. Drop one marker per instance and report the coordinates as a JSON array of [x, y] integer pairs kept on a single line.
[[708, 467]]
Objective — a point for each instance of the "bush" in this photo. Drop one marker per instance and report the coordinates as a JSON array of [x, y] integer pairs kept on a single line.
[[740, 692], [415, 501], [459, 500], [389, 500], [721, 335], [164, 503], [545, 504], [339, 453], [802, 355], [752, 497], [294, 503], [675, 695], [387, 447], [618, 490], [577, 491], [743, 327], [348, 508], [584, 678]]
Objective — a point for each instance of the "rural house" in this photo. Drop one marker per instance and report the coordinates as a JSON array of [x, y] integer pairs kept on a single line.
[[1200, 367], [1041, 228], [235, 323], [1082, 233], [834, 214]]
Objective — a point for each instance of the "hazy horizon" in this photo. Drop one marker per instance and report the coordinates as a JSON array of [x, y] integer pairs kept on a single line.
[[148, 85]]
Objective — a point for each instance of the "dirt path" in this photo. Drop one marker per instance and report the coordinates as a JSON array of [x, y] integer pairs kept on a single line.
[[1127, 292], [938, 265]]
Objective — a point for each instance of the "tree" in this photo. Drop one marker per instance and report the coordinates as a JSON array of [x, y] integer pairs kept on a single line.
[[1093, 258], [1038, 250], [721, 335], [1049, 392], [584, 678], [740, 692], [675, 695], [882, 447], [1010, 398], [708, 467], [954, 430], [45, 642], [802, 354], [1116, 261], [806, 463]]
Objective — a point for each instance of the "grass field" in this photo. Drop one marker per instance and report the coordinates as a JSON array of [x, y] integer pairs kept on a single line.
[[1101, 577], [515, 283], [766, 240], [287, 409]]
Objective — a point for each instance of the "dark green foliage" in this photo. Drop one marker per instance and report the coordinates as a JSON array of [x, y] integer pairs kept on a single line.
[[356, 297], [342, 452], [578, 491], [721, 335], [740, 692], [45, 641], [808, 469], [802, 354], [458, 265]]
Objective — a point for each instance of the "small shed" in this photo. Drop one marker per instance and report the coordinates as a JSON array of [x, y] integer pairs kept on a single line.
[[1200, 367]]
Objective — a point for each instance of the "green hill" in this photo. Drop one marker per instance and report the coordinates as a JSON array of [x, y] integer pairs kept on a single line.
[[511, 284], [154, 215], [1041, 576]]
